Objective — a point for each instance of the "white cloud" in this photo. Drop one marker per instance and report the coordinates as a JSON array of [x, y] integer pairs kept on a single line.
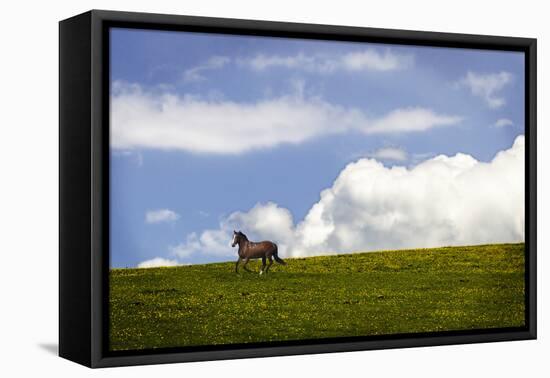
[[268, 221], [364, 60], [186, 249], [410, 120], [216, 242], [373, 60], [487, 86], [157, 262], [265, 221], [195, 74], [142, 119], [263, 62], [442, 201], [389, 153], [161, 215], [503, 122], [357, 61]]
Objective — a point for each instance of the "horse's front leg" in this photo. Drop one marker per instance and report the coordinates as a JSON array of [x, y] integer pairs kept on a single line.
[[244, 265], [237, 265]]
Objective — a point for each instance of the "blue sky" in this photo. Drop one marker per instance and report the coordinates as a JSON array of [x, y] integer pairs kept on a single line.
[[206, 128]]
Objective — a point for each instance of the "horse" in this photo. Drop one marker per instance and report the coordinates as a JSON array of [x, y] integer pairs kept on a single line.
[[252, 250]]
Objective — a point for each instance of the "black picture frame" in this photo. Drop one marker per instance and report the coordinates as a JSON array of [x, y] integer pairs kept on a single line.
[[84, 185]]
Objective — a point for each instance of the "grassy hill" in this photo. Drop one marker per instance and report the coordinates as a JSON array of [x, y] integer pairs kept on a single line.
[[375, 293]]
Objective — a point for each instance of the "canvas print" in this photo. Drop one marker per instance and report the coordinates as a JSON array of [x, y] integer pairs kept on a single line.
[[279, 190]]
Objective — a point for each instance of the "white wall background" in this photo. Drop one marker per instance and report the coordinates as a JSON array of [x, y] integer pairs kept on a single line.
[[29, 186]]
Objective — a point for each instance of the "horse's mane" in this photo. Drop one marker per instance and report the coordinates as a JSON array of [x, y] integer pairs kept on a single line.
[[242, 235]]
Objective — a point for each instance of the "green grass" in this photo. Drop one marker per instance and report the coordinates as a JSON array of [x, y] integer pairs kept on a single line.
[[378, 293]]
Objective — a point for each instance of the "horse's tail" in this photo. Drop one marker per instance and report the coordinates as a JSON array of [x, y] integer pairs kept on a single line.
[[277, 258]]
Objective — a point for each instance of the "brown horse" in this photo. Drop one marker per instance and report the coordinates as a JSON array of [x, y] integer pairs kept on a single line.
[[251, 250]]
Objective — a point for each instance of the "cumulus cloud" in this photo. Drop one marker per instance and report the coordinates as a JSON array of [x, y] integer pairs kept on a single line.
[[161, 215], [362, 60], [389, 153], [145, 119], [487, 86], [216, 242], [443, 201], [503, 122], [157, 262], [195, 74], [263, 221]]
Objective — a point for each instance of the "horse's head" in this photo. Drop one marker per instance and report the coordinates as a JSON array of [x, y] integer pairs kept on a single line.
[[237, 238]]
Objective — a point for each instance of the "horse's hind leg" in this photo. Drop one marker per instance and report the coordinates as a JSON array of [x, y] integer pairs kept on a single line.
[[270, 263], [263, 265], [244, 265]]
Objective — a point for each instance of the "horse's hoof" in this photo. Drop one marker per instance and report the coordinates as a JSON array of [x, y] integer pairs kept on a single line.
[[261, 271]]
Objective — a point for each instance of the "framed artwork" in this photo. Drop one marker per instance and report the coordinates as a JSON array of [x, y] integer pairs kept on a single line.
[[234, 188]]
